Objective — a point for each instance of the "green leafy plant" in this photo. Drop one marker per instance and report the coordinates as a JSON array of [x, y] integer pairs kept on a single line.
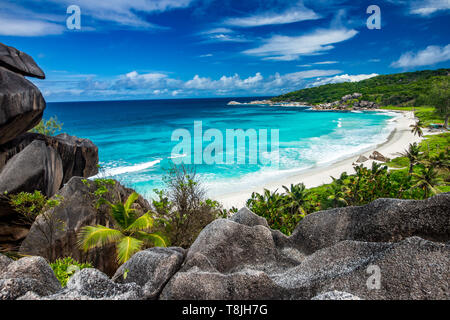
[[30, 206], [64, 268], [413, 154], [130, 234], [48, 127], [427, 180], [183, 209]]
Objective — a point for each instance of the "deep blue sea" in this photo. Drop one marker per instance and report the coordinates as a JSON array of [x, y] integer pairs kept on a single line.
[[135, 147]]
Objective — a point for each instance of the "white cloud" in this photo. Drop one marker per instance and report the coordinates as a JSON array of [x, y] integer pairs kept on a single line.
[[156, 84], [124, 12], [343, 78], [224, 83], [217, 30], [288, 48], [18, 20], [428, 7], [429, 56], [10, 26], [325, 62], [222, 35], [293, 14]]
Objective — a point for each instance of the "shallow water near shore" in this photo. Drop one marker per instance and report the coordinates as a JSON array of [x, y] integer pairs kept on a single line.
[[134, 137]]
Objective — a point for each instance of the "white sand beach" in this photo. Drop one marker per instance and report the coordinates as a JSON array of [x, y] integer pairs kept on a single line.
[[398, 141]]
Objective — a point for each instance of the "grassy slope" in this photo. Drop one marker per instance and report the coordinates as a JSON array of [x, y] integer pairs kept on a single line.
[[394, 90]]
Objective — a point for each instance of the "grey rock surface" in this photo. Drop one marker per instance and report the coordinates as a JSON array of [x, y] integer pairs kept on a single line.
[[28, 274], [248, 218], [197, 284], [21, 105], [79, 156], [383, 220], [336, 295], [90, 284], [228, 245], [151, 269], [37, 167], [4, 262], [19, 62]]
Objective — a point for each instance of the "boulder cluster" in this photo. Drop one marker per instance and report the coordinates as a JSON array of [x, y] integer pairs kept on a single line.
[[31, 161], [350, 101], [388, 249]]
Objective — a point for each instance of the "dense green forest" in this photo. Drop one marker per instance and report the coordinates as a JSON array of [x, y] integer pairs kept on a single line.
[[401, 89]]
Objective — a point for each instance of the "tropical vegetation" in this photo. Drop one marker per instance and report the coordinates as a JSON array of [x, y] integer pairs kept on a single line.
[[421, 171], [130, 231], [66, 267], [183, 209], [48, 127]]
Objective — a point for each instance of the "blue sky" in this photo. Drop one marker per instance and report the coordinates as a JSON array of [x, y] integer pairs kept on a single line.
[[157, 49]]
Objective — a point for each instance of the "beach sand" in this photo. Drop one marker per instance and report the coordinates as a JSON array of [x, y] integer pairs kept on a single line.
[[398, 141]]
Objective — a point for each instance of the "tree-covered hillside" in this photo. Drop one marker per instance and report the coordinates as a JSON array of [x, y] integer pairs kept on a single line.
[[401, 89]]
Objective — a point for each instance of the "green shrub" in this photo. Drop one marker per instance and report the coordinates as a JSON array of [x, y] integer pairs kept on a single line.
[[30, 205], [48, 127], [183, 209], [65, 268]]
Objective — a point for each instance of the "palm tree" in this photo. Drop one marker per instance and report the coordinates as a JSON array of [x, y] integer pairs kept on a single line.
[[338, 192], [130, 235], [413, 155], [296, 195], [427, 180], [441, 161], [416, 128]]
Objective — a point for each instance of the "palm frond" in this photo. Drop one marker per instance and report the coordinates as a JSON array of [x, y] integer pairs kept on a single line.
[[119, 214], [97, 236], [144, 222], [154, 238], [126, 247], [131, 199]]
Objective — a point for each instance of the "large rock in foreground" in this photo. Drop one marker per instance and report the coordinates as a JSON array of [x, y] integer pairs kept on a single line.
[[383, 220], [91, 284], [27, 274], [19, 62], [37, 167], [230, 260], [76, 211], [243, 259], [21, 105], [151, 269]]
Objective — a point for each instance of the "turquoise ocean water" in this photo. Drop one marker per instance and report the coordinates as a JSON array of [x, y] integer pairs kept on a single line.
[[135, 147]]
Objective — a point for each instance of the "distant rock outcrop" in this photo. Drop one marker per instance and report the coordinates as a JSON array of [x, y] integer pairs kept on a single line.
[[379, 157]]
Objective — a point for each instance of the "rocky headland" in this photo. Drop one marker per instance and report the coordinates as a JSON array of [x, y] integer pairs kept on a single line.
[[347, 102]]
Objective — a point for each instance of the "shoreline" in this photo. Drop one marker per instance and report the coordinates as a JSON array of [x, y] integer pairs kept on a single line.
[[397, 141]]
